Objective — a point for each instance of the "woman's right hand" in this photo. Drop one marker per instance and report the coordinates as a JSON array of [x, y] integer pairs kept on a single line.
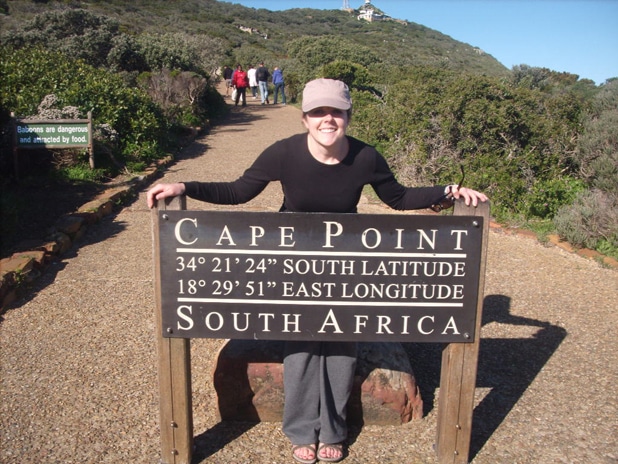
[[161, 191]]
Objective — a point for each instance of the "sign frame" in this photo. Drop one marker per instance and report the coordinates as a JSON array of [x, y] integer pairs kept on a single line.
[[457, 376], [47, 124]]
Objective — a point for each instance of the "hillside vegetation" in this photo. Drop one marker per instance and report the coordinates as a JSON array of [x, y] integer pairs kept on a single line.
[[543, 144], [394, 42]]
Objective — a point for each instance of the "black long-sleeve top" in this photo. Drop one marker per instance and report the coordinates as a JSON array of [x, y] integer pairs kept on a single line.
[[311, 186]]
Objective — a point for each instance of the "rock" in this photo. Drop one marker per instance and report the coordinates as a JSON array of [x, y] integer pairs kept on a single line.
[[99, 207], [385, 385], [248, 379], [20, 268], [63, 241], [69, 224]]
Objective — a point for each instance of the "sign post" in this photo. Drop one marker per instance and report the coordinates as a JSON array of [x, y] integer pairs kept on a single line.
[[309, 276], [174, 356], [459, 369]]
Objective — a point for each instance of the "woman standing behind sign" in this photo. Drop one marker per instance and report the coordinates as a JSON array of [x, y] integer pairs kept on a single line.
[[323, 170]]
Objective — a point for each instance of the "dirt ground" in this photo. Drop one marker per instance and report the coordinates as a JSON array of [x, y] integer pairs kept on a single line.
[[78, 379]]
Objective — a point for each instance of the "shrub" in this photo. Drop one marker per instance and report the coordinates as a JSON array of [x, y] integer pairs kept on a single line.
[[592, 219], [27, 75], [186, 52], [186, 98], [97, 40], [76, 33], [512, 141], [597, 150], [354, 75], [548, 196], [312, 53]]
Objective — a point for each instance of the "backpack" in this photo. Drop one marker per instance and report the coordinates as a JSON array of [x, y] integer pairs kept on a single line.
[[262, 74]]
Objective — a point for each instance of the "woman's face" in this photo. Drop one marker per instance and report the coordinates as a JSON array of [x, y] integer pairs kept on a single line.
[[326, 125]]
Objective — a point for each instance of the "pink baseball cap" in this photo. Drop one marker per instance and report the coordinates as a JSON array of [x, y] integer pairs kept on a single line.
[[326, 92]]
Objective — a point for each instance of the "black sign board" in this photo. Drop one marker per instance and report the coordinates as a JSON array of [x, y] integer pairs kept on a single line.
[[315, 276]]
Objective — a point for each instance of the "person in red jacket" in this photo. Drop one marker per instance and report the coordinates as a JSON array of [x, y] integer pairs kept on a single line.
[[240, 81]]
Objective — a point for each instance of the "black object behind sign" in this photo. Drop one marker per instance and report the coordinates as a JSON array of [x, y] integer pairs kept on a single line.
[[314, 276]]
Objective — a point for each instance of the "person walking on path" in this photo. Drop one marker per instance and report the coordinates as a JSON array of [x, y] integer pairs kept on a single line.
[[227, 76], [240, 81], [279, 85], [262, 75], [322, 170], [253, 83]]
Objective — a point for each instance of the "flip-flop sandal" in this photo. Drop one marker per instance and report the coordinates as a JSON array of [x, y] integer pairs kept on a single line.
[[324, 446], [301, 460]]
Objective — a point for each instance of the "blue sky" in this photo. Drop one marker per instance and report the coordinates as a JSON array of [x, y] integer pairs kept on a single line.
[[575, 36]]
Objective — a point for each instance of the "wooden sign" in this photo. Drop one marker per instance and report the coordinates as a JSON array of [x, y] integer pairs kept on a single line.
[[34, 134], [190, 247], [343, 277]]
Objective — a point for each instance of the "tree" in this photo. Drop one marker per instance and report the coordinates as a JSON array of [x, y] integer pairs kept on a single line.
[[177, 93], [314, 52], [198, 53], [354, 75]]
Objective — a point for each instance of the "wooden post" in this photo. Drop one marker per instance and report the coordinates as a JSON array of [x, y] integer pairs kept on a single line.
[[174, 360], [458, 372], [91, 143], [15, 154]]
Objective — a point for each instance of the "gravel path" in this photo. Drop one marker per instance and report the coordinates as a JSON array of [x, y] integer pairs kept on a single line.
[[78, 367]]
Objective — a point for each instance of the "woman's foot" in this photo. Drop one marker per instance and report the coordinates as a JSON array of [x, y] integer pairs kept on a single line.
[[305, 454], [330, 452]]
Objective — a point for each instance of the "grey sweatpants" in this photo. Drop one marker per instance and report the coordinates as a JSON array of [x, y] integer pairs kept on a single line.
[[317, 380]]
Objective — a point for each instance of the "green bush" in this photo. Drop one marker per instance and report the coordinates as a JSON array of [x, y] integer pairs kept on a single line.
[[187, 52], [597, 149], [354, 75], [186, 98], [98, 41], [312, 53], [511, 140], [80, 172], [548, 196], [591, 221], [27, 75], [76, 33]]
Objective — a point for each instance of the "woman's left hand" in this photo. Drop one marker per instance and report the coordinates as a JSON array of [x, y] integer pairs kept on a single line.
[[469, 195]]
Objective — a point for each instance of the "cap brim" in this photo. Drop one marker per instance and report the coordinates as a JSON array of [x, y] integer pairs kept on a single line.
[[326, 102]]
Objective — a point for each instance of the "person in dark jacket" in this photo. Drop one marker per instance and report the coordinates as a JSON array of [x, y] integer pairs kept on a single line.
[[262, 74], [227, 76], [322, 170]]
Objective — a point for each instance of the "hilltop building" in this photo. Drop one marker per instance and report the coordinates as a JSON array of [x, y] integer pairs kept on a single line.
[[369, 12]]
